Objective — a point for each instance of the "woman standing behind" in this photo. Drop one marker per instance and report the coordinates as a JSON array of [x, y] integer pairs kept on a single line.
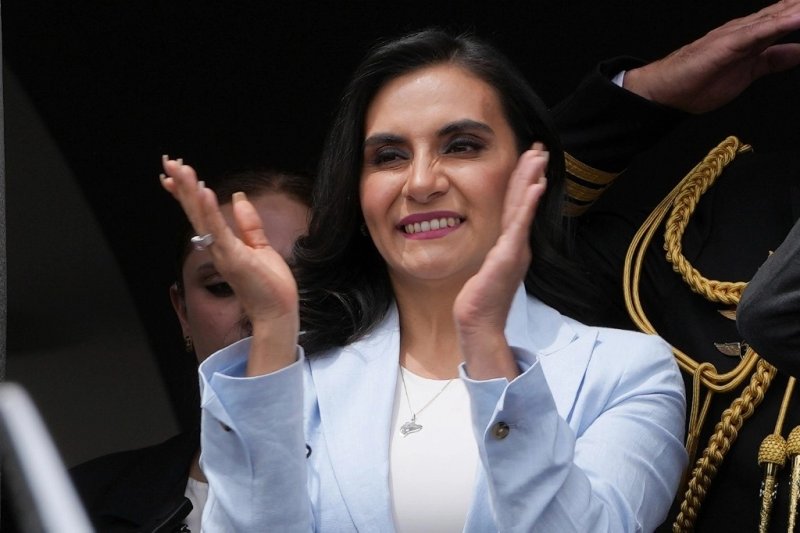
[[422, 338], [147, 489]]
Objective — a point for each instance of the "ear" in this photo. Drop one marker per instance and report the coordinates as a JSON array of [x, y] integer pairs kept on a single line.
[[179, 305]]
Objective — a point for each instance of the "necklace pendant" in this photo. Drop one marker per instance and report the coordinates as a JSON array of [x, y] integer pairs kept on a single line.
[[410, 427]]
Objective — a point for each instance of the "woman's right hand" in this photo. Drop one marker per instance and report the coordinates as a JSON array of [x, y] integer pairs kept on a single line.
[[259, 276]]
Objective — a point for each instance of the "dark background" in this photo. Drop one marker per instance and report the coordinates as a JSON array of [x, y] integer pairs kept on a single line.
[[95, 92]]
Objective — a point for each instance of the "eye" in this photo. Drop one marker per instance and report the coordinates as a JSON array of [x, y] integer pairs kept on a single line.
[[387, 155], [220, 289], [464, 145]]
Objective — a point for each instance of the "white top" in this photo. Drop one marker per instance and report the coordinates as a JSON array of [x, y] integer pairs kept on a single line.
[[432, 471], [197, 492]]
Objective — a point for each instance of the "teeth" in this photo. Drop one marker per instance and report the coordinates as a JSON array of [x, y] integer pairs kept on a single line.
[[429, 225]]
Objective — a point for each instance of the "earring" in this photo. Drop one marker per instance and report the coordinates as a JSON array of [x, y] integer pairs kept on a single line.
[[188, 345]]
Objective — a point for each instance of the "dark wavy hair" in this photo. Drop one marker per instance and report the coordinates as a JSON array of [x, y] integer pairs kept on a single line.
[[344, 284]]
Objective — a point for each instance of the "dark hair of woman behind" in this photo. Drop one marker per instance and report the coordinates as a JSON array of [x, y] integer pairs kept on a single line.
[[344, 284]]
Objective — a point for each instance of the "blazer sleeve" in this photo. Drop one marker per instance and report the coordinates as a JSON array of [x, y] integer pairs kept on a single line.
[[612, 464], [768, 316], [602, 128], [276, 470]]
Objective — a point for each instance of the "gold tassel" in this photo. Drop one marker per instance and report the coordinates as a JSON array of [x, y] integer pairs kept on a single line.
[[793, 450], [772, 456]]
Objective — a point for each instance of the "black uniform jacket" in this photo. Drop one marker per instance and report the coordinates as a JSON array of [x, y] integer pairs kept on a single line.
[[139, 490], [746, 214]]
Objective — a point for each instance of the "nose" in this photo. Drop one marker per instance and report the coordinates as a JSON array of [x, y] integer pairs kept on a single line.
[[426, 181]]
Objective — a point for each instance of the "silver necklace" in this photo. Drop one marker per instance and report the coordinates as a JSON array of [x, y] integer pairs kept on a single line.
[[411, 426]]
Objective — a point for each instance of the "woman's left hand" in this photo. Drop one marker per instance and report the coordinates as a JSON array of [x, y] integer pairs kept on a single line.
[[481, 308]]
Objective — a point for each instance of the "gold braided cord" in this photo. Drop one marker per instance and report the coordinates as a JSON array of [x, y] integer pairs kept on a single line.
[[711, 165], [696, 415], [725, 433], [787, 396], [683, 206], [681, 203]]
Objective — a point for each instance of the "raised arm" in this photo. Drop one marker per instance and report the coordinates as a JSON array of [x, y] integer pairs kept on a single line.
[[243, 256], [604, 126], [549, 466], [713, 70], [241, 457], [481, 308]]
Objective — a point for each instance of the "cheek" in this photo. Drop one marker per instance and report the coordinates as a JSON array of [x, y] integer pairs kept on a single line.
[[492, 188], [220, 328], [212, 314], [376, 197]]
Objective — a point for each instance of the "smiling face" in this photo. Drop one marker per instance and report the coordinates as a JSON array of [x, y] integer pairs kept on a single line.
[[438, 153], [208, 310]]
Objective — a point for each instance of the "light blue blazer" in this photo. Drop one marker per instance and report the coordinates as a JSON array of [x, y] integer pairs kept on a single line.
[[595, 443]]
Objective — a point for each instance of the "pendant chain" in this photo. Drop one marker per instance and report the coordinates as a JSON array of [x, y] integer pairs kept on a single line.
[[412, 426]]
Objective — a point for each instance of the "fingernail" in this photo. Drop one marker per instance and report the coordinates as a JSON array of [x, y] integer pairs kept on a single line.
[[239, 196], [201, 184], [179, 160], [165, 158], [162, 177]]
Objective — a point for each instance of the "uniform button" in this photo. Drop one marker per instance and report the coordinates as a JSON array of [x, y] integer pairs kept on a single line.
[[500, 430], [226, 427]]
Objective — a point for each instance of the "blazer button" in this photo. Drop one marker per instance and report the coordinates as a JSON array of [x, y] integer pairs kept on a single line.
[[500, 430]]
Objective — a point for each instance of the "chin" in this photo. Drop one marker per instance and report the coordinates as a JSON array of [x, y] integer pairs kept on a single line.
[[439, 270]]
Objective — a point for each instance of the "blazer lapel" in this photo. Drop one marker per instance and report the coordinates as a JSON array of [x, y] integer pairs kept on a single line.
[[564, 371], [355, 391]]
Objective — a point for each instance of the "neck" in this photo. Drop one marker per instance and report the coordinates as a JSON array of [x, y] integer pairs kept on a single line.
[[428, 343]]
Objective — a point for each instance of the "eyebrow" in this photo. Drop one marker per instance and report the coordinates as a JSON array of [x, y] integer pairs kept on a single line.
[[206, 268], [383, 138], [463, 125], [448, 129]]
